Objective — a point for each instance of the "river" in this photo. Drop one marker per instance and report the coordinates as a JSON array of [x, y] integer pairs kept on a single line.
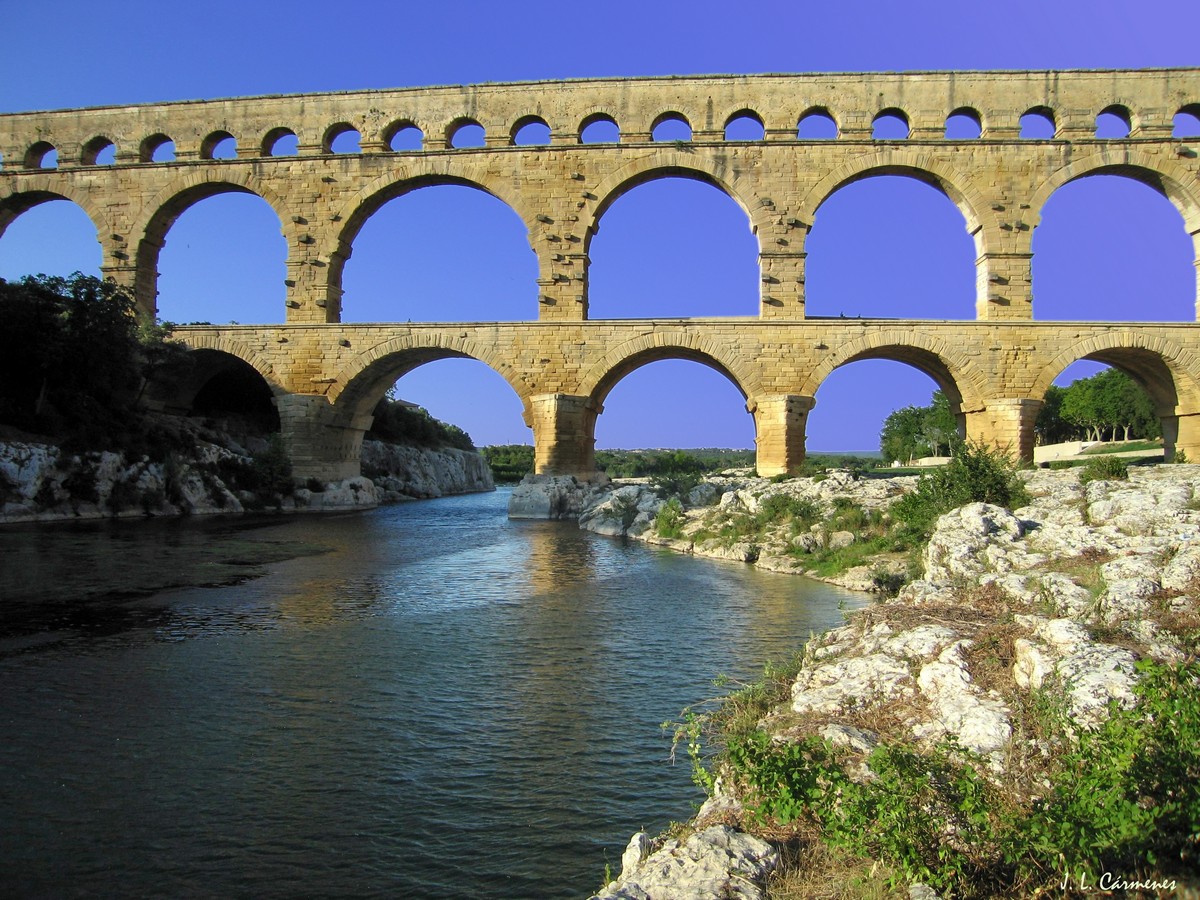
[[444, 704]]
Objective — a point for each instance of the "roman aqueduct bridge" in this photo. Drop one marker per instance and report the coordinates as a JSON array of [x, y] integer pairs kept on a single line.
[[326, 375]]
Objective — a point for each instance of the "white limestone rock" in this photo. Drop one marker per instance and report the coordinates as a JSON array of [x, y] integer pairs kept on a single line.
[[548, 497], [843, 684], [716, 863], [971, 540], [981, 723]]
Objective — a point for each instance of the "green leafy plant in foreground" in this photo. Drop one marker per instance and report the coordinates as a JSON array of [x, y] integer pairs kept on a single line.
[[1126, 796]]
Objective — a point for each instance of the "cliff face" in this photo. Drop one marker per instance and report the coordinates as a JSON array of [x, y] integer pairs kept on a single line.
[[40, 482], [401, 472]]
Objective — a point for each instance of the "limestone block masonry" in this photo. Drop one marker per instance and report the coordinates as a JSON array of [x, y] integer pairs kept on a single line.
[[326, 375]]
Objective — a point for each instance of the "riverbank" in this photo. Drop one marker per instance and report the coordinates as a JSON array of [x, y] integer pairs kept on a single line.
[[218, 473], [933, 744]]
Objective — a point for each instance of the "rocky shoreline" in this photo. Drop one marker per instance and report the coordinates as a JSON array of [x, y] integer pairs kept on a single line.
[[40, 482], [1060, 600]]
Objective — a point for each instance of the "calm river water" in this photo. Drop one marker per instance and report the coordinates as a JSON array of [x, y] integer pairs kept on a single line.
[[446, 704]]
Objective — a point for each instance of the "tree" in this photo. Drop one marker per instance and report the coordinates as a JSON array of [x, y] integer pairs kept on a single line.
[[74, 360], [916, 431], [1109, 400]]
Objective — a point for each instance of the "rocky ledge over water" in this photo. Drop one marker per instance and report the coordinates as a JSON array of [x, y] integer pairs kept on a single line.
[[1016, 617], [41, 482]]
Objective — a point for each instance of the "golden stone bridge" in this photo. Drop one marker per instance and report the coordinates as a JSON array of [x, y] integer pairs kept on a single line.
[[326, 375]]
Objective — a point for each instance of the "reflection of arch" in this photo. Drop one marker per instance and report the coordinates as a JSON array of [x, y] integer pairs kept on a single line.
[[1167, 372], [38, 190], [1167, 179], [954, 185], [363, 381], [665, 164], [162, 212], [603, 375], [955, 375]]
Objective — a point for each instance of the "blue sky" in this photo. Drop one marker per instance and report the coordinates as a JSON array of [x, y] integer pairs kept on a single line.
[[79, 54]]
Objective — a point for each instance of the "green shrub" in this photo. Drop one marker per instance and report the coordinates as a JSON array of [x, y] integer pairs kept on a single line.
[[1125, 796], [668, 523], [975, 474], [1105, 468]]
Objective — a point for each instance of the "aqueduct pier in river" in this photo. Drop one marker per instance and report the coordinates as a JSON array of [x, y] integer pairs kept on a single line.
[[326, 376]]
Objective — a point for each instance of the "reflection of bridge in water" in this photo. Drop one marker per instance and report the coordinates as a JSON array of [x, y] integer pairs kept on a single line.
[[326, 376]]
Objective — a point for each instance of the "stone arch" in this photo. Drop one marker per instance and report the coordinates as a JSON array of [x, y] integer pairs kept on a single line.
[[670, 114], [272, 137], [530, 119], [603, 375], [675, 164], [221, 377], [94, 147], [353, 389], [423, 172], [196, 184], [41, 189], [742, 112], [1124, 110], [955, 375], [820, 111], [912, 164], [393, 128], [597, 114], [1169, 179], [1168, 372], [220, 343]]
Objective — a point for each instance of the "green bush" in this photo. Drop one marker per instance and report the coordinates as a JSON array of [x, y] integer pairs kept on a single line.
[[975, 474], [668, 523], [1104, 468], [1125, 796], [399, 423]]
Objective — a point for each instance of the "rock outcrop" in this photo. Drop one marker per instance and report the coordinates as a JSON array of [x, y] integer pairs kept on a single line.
[[1064, 595], [403, 473], [41, 482]]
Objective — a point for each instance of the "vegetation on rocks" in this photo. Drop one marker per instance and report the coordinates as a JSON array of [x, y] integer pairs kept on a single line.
[[1024, 718]]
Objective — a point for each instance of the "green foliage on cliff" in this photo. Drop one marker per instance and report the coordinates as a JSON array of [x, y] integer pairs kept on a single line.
[[402, 423], [74, 361]]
